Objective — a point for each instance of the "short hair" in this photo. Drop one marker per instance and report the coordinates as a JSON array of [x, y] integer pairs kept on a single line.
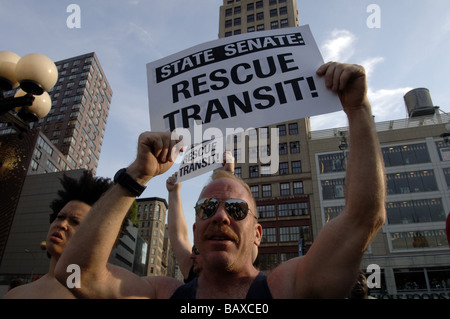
[[88, 189], [221, 173]]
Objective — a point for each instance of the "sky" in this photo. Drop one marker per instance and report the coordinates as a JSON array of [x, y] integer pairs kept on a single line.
[[407, 47]]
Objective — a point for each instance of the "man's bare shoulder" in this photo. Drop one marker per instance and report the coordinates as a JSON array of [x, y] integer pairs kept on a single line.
[[163, 286], [282, 279], [44, 288]]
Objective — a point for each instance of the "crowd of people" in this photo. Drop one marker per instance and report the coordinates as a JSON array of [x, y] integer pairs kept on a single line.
[[220, 263]]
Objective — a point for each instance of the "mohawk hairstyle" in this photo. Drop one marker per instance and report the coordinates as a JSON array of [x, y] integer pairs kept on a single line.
[[88, 189]]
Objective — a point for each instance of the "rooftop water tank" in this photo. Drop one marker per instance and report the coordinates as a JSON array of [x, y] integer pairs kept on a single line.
[[418, 102]]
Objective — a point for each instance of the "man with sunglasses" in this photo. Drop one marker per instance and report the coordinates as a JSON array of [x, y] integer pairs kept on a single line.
[[226, 228]]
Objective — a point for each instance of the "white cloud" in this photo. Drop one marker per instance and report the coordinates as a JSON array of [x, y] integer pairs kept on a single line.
[[388, 104], [339, 47]]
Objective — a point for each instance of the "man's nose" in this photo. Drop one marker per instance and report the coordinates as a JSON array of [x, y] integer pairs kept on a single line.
[[221, 216]]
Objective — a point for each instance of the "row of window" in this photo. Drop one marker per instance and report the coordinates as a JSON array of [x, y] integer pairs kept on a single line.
[[258, 4], [397, 183], [283, 210], [404, 212], [264, 134], [399, 155], [286, 234], [254, 17], [283, 23], [285, 189], [265, 170]]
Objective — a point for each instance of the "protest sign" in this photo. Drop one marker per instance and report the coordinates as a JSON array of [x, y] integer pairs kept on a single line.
[[249, 80], [245, 81], [200, 158]]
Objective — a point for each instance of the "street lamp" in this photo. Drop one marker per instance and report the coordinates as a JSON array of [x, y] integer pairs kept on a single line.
[[35, 74]]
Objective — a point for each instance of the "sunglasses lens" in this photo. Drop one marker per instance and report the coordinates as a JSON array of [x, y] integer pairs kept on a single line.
[[206, 207], [236, 208]]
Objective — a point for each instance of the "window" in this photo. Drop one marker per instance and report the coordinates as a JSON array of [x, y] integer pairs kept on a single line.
[[281, 130], [424, 239], [411, 182], [238, 172], [265, 170], [273, 12], [333, 189], [267, 190], [294, 233], [250, 18], [296, 167], [274, 25], [295, 147], [289, 233], [237, 10], [282, 148], [293, 128], [285, 189], [255, 190], [443, 150], [250, 7], [415, 211], [284, 168], [269, 235], [228, 12], [298, 188], [447, 176], [266, 211], [283, 10], [254, 171], [332, 163], [260, 27], [284, 23], [237, 21], [260, 16], [259, 4], [228, 23], [405, 155], [293, 209]]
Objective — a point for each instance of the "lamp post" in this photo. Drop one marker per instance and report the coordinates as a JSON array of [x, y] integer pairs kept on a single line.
[[24, 82]]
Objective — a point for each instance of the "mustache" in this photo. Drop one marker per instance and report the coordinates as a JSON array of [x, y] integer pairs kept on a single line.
[[214, 229]]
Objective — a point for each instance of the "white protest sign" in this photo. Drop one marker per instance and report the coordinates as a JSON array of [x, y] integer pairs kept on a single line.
[[249, 80], [199, 159], [245, 81]]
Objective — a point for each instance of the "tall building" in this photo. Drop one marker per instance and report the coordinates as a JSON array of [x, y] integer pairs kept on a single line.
[[151, 213], [80, 105], [283, 199], [69, 137]]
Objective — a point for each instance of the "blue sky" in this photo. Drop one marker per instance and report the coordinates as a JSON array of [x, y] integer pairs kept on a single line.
[[409, 50]]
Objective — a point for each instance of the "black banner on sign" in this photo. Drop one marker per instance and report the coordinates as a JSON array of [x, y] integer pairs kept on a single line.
[[225, 52]]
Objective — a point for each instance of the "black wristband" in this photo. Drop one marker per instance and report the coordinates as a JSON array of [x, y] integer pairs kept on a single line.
[[125, 180]]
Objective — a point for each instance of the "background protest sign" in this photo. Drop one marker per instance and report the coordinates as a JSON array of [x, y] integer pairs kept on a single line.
[[249, 80], [200, 158], [245, 81]]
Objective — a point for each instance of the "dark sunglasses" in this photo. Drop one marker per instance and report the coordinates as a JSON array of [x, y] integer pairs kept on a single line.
[[236, 208]]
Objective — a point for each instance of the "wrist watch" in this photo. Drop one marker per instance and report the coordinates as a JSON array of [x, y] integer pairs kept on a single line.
[[125, 180]]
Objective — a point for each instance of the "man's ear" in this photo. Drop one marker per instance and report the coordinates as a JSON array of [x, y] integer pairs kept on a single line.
[[258, 234]]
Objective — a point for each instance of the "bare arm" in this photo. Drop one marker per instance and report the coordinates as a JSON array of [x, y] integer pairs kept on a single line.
[[178, 230], [330, 267], [92, 243]]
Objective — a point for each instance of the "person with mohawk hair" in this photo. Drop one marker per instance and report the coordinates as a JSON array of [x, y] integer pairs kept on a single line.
[[68, 210]]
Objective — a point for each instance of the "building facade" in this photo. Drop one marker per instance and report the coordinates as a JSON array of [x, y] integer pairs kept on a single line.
[[244, 16], [411, 249], [151, 213], [283, 198], [77, 120]]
